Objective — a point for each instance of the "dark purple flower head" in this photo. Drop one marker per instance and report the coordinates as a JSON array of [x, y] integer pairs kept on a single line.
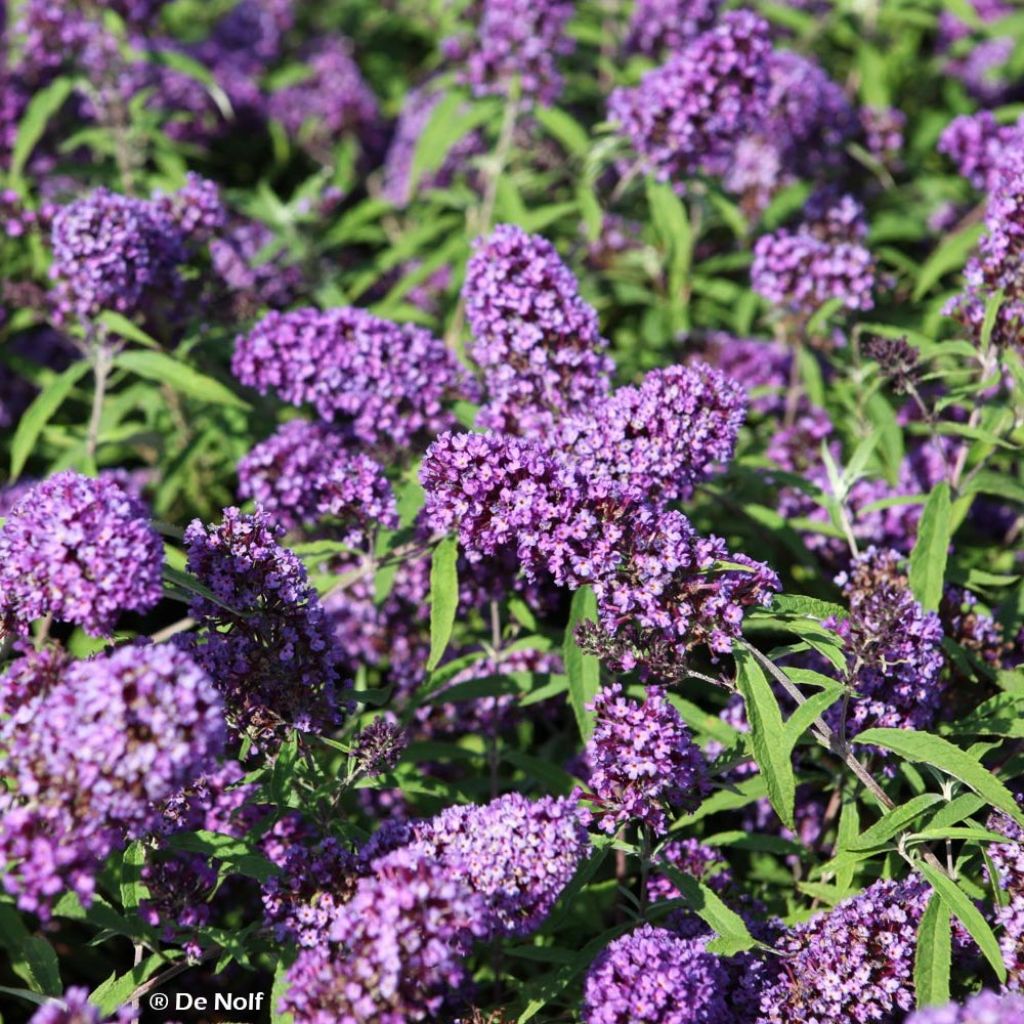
[[114, 252], [250, 262], [388, 382], [80, 549], [642, 761], [659, 439], [691, 857], [378, 748], [103, 748], [265, 638], [518, 854], [983, 1008], [893, 646], [305, 472], [397, 947], [537, 341], [654, 976], [74, 1008], [853, 962], [665, 26], [686, 116], [517, 40], [883, 131], [196, 209]]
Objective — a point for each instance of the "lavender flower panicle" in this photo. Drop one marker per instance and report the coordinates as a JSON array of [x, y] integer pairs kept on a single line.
[[537, 342], [665, 26], [264, 638], [74, 1008], [80, 549], [983, 1008], [642, 760], [305, 472]]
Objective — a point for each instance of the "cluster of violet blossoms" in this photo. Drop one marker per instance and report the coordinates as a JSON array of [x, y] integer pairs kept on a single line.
[[641, 760], [686, 116], [306, 472], [80, 549], [263, 635], [387, 383], [93, 748]]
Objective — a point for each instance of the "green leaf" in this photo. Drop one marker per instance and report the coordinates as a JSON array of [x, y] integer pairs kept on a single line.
[[732, 932], [444, 597], [928, 559], [768, 735], [133, 889], [940, 753], [116, 990], [164, 369], [565, 128], [809, 607], [960, 904], [119, 324], [893, 822], [583, 670], [23, 993], [40, 412], [950, 255], [43, 105], [934, 955], [451, 120], [32, 957], [277, 992], [1001, 715]]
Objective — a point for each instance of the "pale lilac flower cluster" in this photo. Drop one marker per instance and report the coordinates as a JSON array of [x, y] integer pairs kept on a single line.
[[517, 41], [983, 1008], [80, 549], [264, 636], [665, 26], [999, 262], [304, 473], [642, 761], [686, 116], [331, 100], [976, 143], [518, 854], [389, 383], [92, 756], [537, 341], [823, 259], [893, 646], [397, 948], [114, 252], [74, 1008], [658, 440], [654, 976], [853, 962]]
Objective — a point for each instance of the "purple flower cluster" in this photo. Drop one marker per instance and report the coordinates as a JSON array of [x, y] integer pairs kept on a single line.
[[517, 41], [518, 854], [537, 341], [264, 636], [331, 100], [976, 143], [691, 857], [657, 440], [378, 748], [656, 580], [761, 367], [999, 262], [92, 755], [893, 646], [665, 26], [657, 977], [642, 760], [397, 947], [853, 962], [250, 265], [80, 549], [114, 252], [983, 1008], [821, 260], [304, 473], [1008, 863], [74, 1008], [686, 116], [388, 382]]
